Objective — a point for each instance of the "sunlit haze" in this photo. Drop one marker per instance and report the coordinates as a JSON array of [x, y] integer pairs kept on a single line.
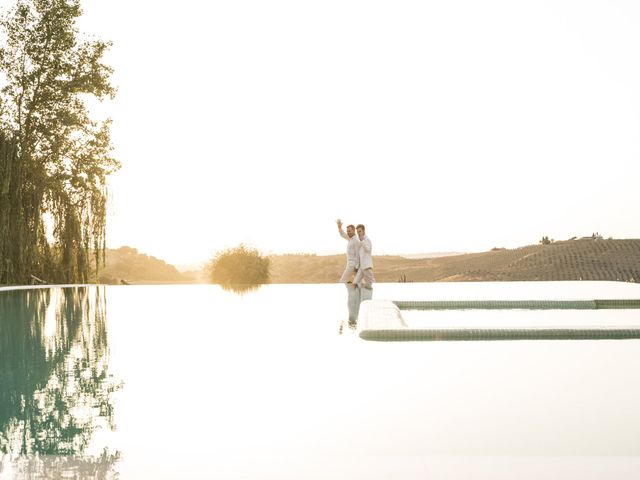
[[442, 126]]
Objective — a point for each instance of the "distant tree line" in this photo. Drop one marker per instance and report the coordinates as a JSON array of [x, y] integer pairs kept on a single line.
[[594, 236], [54, 158]]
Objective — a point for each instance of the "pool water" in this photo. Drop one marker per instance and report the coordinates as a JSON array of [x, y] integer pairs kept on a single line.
[[193, 381]]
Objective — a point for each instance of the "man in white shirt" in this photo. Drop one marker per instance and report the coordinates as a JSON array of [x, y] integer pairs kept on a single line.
[[352, 251], [364, 277]]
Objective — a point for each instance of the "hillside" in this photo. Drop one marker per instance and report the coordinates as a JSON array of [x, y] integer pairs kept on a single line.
[[128, 265], [583, 259]]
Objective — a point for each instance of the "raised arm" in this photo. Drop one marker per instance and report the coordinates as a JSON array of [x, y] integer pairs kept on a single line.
[[341, 231]]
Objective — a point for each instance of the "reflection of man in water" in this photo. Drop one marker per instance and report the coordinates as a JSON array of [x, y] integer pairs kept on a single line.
[[355, 296], [364, 277], [353, 303], [352, 251]]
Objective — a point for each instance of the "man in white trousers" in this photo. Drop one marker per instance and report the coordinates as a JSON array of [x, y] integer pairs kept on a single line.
[[364, 277], [352, 251]]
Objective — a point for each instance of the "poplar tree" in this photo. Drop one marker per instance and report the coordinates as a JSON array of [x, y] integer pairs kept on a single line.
[[54, 158]]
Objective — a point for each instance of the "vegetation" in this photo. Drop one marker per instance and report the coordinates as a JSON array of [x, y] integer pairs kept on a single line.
[[240, 265], [240, 288], [54, 158]]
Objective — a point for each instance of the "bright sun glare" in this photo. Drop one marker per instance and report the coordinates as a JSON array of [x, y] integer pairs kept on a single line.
[[449, 126]]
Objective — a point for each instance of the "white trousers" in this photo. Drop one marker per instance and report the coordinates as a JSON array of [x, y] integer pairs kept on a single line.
[[347, 274], [364, 277]]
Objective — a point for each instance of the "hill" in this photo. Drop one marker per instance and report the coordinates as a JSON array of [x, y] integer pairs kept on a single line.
[[128, 265], [582, 259]]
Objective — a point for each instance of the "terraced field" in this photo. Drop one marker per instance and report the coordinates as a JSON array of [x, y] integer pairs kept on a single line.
[[577, 260], [584, 259]]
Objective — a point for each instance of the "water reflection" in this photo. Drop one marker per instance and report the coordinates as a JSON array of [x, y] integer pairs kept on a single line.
[[241, 288], [55, 387], [50, 467], [355, 296]]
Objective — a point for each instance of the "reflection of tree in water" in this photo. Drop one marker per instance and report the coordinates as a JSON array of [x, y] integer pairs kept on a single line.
[[55, 467], [55, 389], [240, 288]]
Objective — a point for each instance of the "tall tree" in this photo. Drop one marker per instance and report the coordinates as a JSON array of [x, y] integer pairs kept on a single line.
[[55, 158]]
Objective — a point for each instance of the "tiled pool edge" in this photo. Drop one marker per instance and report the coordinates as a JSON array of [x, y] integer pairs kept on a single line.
[[381, 320], [595, 304]]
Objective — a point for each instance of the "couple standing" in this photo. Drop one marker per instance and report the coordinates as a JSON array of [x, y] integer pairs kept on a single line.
[[359, 260]]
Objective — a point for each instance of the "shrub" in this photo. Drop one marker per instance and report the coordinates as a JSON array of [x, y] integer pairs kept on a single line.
[[240, 265]]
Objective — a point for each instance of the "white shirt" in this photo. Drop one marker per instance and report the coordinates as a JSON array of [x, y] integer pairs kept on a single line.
[[352, 249], [364, 252]]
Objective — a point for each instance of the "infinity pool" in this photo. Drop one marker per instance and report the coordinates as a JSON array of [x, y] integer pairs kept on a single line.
[[197, 382]]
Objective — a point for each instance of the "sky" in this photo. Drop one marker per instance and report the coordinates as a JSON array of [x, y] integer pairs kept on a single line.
[[442, 126]]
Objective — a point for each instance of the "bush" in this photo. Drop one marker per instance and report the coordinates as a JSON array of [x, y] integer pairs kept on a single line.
[[239, 266]]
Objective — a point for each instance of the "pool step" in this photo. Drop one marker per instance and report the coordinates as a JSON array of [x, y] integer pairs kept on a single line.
[[518, 304], [381, 320], [466, 334]]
